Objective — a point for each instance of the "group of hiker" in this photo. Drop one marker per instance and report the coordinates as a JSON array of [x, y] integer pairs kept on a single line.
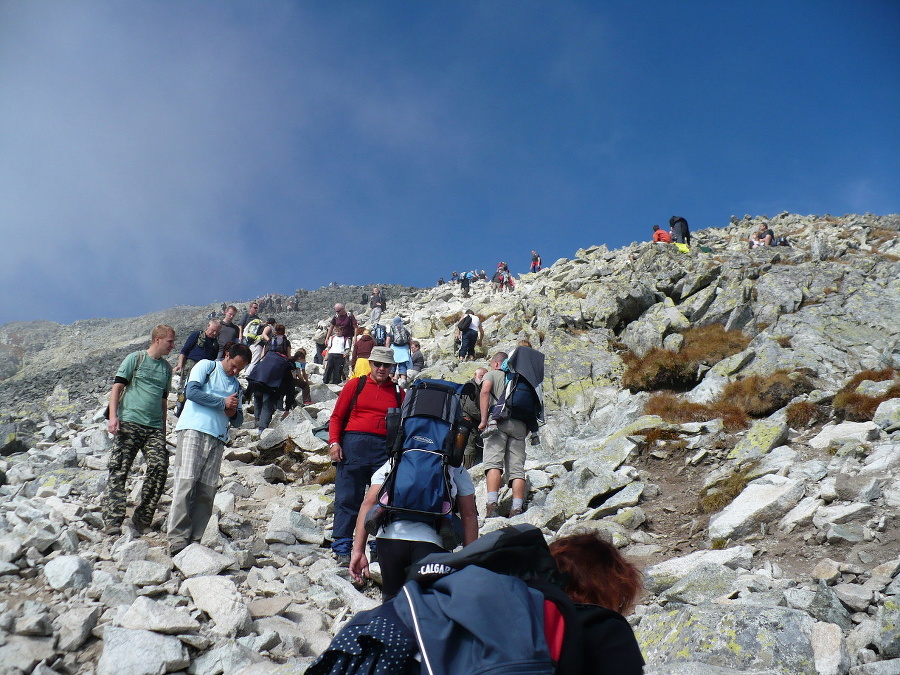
[[680, 235], [679, 232], [401, 448]]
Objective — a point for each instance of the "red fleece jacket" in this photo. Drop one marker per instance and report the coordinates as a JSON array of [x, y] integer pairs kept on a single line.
[[369, 412]]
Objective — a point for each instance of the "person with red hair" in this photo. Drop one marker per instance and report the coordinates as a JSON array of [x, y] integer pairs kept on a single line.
[[604, 586]]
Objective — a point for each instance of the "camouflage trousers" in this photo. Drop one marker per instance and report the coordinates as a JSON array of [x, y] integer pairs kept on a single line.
[[133, 437]]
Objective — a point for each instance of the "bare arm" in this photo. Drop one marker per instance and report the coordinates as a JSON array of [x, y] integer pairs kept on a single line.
[[359, 563], [485, 401], [114, 395], [469, 516]]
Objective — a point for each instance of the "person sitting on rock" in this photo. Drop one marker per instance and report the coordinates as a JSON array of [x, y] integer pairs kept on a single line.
[[660, 235], [762, 237], [417, 359]]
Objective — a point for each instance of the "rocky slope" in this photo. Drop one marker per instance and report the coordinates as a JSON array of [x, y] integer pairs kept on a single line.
[[794, 570]]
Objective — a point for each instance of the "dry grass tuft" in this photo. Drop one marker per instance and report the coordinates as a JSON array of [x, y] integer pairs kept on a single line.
[[673, 409], [753, 396], [759, 395], [721, 495], [803, 414], [784, 341], [665, 369], [853, 406]]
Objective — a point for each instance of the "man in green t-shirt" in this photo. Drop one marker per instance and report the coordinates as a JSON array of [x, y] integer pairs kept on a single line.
[[137, 419]]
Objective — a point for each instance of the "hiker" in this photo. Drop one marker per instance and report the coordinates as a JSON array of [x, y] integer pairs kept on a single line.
[[398, 340], [213, 401], [402, 542], [258, 348], [199, 345], [301, 377], [440, 281], [470, 333], [357, 432], [513, 390], [377, 304], [319, 337], [255, 334], [359, 357], [345, 320], [535, 262], [661, 236], [532, 422], [228, 330], [270, 382], [251, 313], [470, 400], [598, 576], [137, 420], [279, 342], [465, 281], [417, 359], [680, 232], [762, 237], [337, 347]]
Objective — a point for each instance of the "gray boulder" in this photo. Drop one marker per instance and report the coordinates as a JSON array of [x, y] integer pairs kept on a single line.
[[744, 638], [140, 652]]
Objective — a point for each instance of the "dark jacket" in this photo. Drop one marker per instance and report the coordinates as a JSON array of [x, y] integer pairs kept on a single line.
[[680, 231], [492, 624]]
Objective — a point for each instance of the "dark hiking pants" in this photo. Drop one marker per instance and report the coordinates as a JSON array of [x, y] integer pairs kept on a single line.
[[364, 454]]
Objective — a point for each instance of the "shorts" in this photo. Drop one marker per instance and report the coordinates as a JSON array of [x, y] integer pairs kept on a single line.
[[504, 448]]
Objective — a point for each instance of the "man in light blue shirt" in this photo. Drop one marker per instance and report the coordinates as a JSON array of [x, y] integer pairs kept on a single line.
[[213, 402]]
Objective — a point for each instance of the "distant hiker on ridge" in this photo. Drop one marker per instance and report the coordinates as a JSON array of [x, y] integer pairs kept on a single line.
[[660, 235]]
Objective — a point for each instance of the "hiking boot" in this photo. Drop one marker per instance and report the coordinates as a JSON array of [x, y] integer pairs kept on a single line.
[[342, 560], [515, 512], [492, 510], [138, 525], [535, 439], [176, 546]]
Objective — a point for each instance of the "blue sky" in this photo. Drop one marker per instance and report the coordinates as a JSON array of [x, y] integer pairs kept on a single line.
[[163, 153]]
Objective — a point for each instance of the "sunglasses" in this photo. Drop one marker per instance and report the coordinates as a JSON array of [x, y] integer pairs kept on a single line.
[[376, 364]]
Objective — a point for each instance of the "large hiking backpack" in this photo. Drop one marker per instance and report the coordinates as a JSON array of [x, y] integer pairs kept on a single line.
[[379, 334], [520, 401], [400, 335], [253, 330], [425, 438]]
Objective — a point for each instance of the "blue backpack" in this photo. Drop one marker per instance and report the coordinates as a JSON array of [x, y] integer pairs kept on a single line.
[[426, 437], [379, 334]]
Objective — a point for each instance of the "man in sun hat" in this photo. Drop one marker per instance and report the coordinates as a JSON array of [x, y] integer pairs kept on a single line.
[[357, 433]]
